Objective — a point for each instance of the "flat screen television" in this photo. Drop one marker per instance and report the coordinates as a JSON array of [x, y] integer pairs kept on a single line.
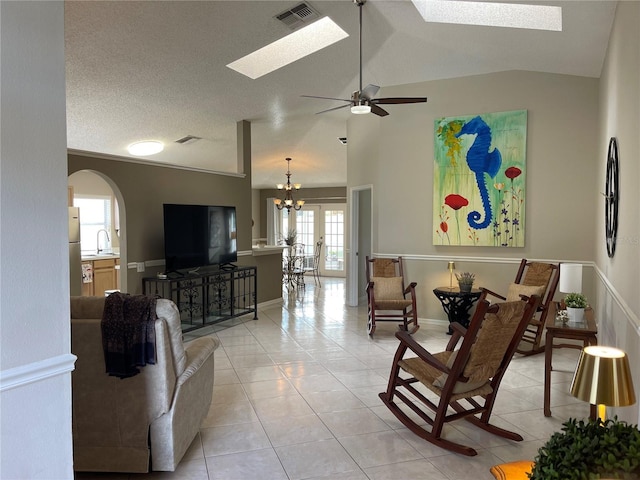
[[199, 235]]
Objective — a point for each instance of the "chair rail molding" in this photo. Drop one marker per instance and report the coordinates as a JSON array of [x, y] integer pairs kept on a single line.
[[462, 258], [36, 371]]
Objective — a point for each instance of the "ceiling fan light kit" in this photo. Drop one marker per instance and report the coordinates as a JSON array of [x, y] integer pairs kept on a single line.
[[360, 109], [362, 101]]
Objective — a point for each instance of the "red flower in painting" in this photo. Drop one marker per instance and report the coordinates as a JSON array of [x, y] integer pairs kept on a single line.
[[456, 201], [444, 227], [512, 172]]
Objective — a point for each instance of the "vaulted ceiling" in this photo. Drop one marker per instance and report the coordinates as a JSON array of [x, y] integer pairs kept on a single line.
[[141, 70]]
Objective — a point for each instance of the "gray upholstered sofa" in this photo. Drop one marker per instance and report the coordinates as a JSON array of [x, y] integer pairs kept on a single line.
[[118, 424]]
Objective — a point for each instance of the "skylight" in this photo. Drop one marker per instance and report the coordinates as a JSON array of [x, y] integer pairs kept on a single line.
[[288, 49], [535, 17]]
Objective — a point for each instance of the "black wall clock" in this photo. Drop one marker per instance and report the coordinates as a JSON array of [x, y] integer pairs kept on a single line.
[[611, 198]]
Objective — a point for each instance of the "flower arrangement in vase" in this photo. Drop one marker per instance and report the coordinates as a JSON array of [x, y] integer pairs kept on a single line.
[[290, 237], [465, 281], [575, 303]]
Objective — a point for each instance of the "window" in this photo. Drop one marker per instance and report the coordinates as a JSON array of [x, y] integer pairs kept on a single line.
[[95, 215]]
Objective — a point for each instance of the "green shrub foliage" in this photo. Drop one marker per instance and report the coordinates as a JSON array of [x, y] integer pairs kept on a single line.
[[590, 450]]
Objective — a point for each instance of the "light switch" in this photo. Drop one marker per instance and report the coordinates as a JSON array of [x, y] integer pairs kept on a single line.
[[140, 266]]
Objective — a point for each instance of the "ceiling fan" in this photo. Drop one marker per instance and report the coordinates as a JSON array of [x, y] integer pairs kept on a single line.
[[363, 101]]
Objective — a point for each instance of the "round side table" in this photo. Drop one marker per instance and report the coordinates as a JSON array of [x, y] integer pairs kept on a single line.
[[456, 304]]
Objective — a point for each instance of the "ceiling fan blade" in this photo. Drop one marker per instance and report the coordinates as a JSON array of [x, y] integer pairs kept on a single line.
[[399, 100], [327, 98], [369, 91], [331, 109], [378, 111]]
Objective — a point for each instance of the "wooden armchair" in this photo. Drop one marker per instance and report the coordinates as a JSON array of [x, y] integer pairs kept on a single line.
[[387, 294], [465, 380], [533, 278]]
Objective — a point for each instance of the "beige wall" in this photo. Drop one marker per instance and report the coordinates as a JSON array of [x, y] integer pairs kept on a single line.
[[570, 121], [618, 302], [145, 188], [395, 154]]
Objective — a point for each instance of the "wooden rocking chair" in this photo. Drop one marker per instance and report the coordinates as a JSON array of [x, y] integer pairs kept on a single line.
[[533, 278], [466, 380], [387, 295]]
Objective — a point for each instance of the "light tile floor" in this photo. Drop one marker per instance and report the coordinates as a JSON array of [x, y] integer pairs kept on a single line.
[[296, 397]]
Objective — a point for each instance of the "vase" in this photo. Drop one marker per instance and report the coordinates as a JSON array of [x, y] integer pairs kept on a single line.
[[575, 315], [465, 287]]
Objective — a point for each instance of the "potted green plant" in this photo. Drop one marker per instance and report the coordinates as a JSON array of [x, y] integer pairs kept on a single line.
[[465, 281], [589, 450], [575, 303]]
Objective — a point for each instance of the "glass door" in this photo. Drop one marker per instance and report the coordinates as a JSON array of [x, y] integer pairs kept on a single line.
[[333, 258], [307, 223]]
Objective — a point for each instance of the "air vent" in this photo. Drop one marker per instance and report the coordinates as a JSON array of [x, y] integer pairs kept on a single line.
[[188, 139], [300, 15], [342, 140]]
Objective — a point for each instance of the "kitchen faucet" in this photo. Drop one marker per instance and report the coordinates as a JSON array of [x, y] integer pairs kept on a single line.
[[98, 239]]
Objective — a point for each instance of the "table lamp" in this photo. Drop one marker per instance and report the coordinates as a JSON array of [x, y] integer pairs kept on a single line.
[[603, 378], [451, 267], [571, 278]]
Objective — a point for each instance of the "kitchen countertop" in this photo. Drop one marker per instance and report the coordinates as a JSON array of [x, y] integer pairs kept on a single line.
[[89, 257], [267, 250]]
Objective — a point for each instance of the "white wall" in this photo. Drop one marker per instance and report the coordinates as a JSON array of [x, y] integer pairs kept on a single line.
[[34, 302], [618, 299]]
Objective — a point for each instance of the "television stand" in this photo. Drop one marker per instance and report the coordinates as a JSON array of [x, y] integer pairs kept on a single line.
[[209, 297]]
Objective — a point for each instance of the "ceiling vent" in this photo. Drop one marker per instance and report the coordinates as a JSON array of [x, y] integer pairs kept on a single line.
[[298, 16], [188, 139]]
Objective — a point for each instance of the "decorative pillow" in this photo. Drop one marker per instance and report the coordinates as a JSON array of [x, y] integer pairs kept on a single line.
[[387, 288], [459, 387], [515, 290]]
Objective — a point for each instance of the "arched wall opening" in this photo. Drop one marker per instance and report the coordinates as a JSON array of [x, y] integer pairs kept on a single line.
[[92, 183]]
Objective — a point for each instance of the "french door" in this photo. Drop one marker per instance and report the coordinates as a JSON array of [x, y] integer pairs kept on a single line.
[[324, 222], [333, 225]]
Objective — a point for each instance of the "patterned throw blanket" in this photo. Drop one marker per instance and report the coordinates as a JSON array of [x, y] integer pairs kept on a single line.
[[128, 333]]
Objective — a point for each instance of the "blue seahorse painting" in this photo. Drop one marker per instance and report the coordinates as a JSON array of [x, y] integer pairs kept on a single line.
[[481, 162]]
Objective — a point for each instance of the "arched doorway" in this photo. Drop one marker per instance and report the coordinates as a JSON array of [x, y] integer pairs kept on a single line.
[[103, 231]]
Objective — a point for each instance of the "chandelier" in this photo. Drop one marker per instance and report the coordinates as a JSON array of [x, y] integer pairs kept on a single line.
[[288, 202]]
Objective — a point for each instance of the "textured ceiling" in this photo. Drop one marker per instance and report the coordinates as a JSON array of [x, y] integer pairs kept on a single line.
[[156, 70]]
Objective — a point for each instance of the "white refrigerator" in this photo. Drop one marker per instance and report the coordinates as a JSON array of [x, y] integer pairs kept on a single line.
[[75, 257]]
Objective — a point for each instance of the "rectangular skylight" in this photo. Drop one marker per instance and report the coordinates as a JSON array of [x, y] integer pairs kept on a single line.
[[288, 49], [535, 17]]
